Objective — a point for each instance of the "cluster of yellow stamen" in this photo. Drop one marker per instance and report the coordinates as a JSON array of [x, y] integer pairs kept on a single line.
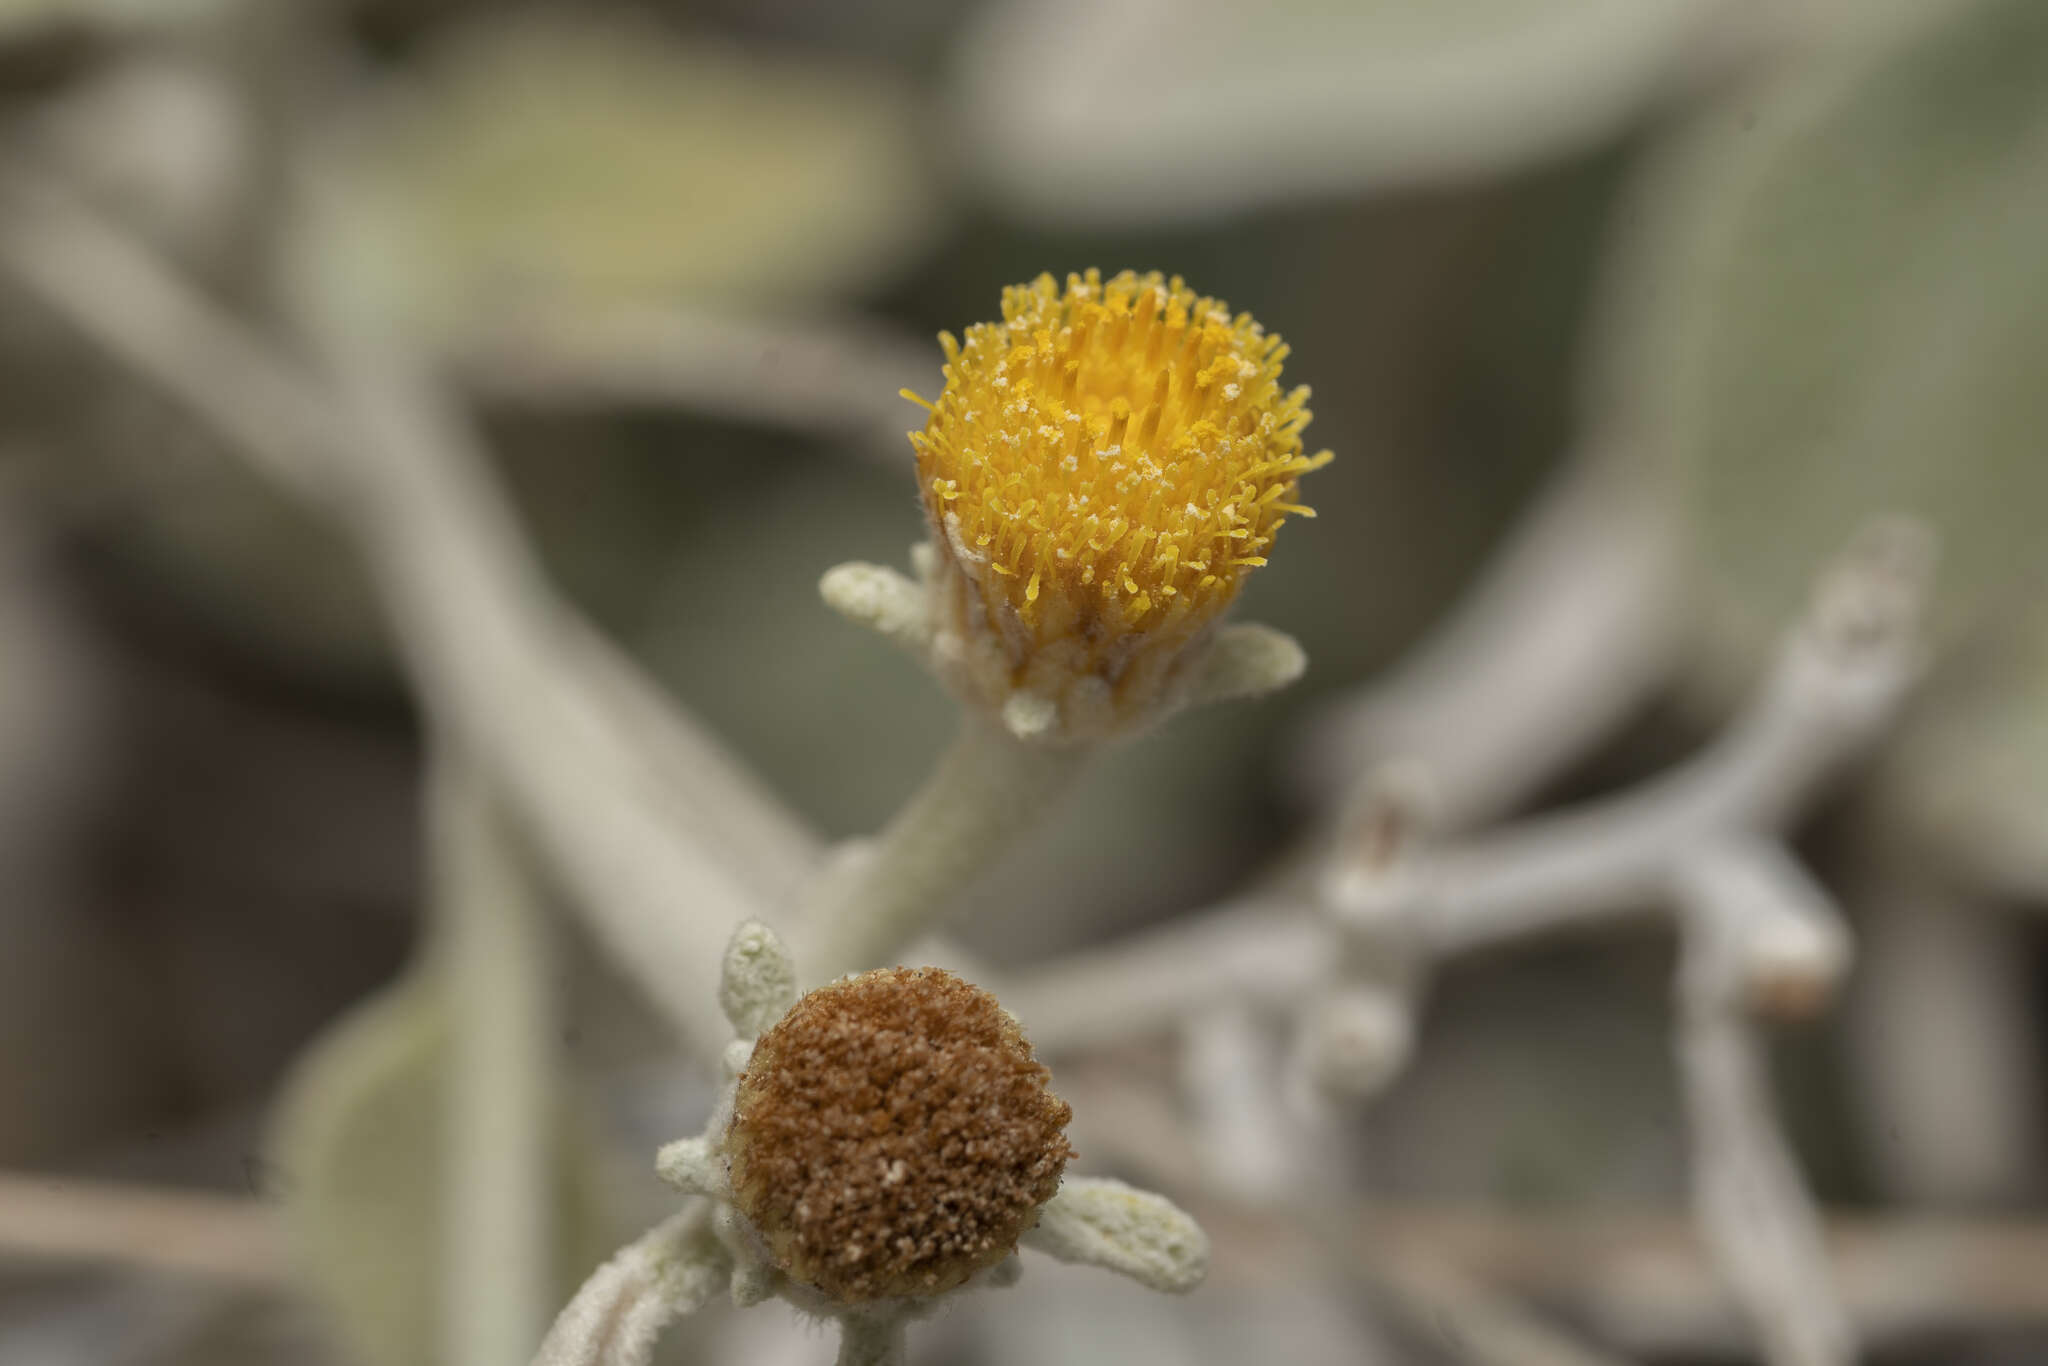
[[1109, 461]]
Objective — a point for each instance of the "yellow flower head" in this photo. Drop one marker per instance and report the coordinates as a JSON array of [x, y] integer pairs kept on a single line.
[[1104, 467]]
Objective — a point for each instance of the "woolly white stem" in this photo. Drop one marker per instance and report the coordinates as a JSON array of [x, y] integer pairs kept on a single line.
[[988, 789], [619, 1313]]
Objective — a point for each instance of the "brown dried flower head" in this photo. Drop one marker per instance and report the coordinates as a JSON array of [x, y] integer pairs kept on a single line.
[[893, 1135]]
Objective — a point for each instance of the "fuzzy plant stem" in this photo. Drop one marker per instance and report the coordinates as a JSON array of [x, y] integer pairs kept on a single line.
[[988, 789]]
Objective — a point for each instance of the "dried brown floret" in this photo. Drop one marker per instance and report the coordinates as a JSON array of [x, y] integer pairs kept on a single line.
[[893, 1135]]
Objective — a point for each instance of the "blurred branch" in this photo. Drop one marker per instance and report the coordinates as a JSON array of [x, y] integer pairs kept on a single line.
[[1838, 681], [1441, 1306], [1752, 1202], [1945, 1054], [116, 292], [216, 1237], [497, 1279], [1704, 841], [1247, 1142], [1641, 1278], [839, 377], [645, 843], [1265, 952], [1837, 684], [767, 846], [1569, 627], [1263, 1141]]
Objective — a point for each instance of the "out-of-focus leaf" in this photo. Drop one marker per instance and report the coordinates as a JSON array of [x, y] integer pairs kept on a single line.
[[561, 164], [1971, 774], [1138, 111], [1840, 309], [358, 1150], [357, 1153]]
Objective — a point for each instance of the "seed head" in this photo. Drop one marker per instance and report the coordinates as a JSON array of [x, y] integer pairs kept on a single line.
[[1104, 467], [892, 1136]]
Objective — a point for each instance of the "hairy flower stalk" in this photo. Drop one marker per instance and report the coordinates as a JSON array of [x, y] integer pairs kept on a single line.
[[1102, 470], [988, 787], [885, 1142]]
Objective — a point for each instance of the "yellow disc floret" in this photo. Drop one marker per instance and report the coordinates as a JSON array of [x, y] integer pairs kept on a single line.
[[1107, 463]]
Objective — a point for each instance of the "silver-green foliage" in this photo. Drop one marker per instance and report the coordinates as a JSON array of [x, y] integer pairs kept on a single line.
[[1860, 312], [1836, 308]]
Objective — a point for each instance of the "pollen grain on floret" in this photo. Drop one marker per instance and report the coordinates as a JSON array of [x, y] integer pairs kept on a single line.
[[1109, 461]]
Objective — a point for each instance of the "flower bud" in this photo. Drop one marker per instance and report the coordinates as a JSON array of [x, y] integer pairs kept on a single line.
[[1104, 467]]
